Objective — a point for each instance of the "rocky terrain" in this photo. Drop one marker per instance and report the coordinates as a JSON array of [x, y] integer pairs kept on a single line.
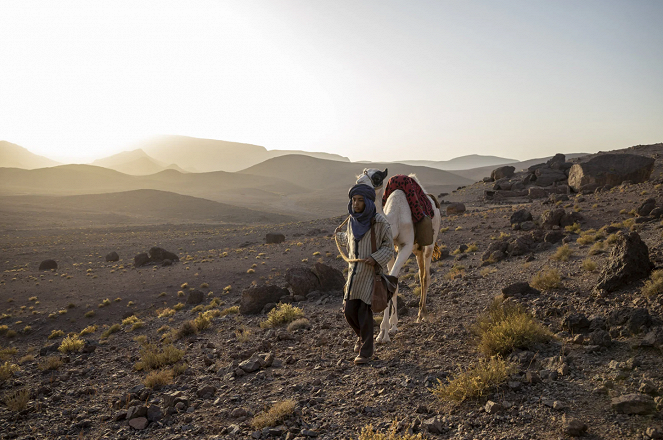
[[198, 304]]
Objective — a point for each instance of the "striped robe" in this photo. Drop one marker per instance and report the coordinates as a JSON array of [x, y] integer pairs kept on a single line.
[[361, 276]]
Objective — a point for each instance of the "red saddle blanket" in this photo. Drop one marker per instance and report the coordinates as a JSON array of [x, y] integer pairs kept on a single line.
[[420, 204]]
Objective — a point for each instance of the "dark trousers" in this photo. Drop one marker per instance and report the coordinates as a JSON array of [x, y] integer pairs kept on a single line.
[[360, 317]]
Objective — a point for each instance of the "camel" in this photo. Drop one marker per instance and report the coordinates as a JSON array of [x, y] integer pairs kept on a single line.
[[397, 211]]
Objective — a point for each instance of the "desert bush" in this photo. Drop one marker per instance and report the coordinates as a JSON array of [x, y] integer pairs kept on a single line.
[[506, 326], [282, 314], [457, 271], [612, 239], [55, 334], [588, 265], [130, 320], [202, 321], [547, 279], [164, 313], [71, 343], [153, 358], [158, 378], [112, 329], [474, 382], [563, 253], [297, 324], [187, 328], [6, 353], [3, 329], [654, 285], [597, 248], [587, 238], [487, 271], [279, 412], [17, 400], [472, 247], [89, 314], [50, 363], [178, 306], [7, 371], [27, 358], [244, 334], [369, 433]]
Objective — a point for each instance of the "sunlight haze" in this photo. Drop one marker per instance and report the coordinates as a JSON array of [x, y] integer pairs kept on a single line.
[[372, 80]]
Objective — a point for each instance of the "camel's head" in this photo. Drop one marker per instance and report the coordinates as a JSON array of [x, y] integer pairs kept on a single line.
[[372, 177]]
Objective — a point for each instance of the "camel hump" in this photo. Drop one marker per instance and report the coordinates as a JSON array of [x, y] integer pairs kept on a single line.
[[437, 203]]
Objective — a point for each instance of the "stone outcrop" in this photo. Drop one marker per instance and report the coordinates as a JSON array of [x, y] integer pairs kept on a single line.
[[628, 262], [48, 265], [502, 172], [156, 255], [610, 169], [274, 237], [112, 256], [255, 298], [301, 281]]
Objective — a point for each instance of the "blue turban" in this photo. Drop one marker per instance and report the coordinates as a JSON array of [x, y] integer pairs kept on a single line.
[[360, 222]]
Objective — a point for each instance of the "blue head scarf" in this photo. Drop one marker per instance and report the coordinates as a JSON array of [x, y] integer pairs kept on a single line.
[[360, 222]]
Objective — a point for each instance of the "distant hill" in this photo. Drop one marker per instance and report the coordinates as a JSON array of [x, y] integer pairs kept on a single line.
[[462, 162], [15, 156], [476, 174], [136, 162], [120, 208], [205, 155]]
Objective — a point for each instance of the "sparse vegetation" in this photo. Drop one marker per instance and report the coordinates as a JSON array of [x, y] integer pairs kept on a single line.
[[369, 433], [588, 265], [229, 310], [279, 412], [71, 343], [574, 228], [158, 378], [164, 313], [56, 334], [474, 382], [88, 330], [654, 285], [153, 358], [282, 314], [597, 248], [243, 334], [547, 279], [7, 371], [17, 400], [298, 324], [90, 314], [563, 253], [50, 363], [506, 326], [457, 271], [112, 329]]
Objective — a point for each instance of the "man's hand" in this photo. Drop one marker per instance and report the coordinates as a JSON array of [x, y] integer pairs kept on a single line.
[[370, 261]]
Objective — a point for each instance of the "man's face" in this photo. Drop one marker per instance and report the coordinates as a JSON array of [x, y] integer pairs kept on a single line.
[[358, 204]]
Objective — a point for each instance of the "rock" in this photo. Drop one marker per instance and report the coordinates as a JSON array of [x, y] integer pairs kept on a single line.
[[652, 339], [547, 177], [53, 348], [141, 259], [601, 338], [206, 392], [532, 377], [138, 423], [535, 192], [158, 254], [172, 399], [48, 265], [302, 280], [552, 218], [238, 412], [329, 277], [647, 387], [493, 407], [520, 216], [195, 297], [112, 256], [154, 413], [167, 262], [628, 262], [519, 289], [527, 226], [274, 237], [555, 161], [554, 236], [255, 298], [496, 246], [611, 169], [309, 433], [633, 404], [250, 365], [654, 433], [575, 323], [433, 425], [656, 213], [573, 427], [455, 208], [505, 172], [646, 207], [569, 218]]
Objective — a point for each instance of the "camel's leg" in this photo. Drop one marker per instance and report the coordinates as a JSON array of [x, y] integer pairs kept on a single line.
[[404, 253], [423, 261], [393, 320]]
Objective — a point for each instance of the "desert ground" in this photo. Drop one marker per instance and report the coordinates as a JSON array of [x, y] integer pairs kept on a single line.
[[562, 387]]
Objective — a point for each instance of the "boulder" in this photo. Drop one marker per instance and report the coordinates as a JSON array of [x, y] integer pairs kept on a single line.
[[569, 218], [302, 280], [552, 217], [195, 297], [520, 216], [434, 425], [573, 427], [493, 248], [656, 213], [329, 278], [575, 323], [556, 161], [536, 192], [646, 207], [112, 256], [274, 237], [554, 236], [633, 404], [158, 254], [546, 177], [628, 262], [455, 208], [48, 265], [519, 289], [255, 298], [611, 169], [141, 259], [502, 172], [138, 423]]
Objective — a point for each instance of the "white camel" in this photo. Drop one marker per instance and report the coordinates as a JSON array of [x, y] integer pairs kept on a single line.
[[398, 212]]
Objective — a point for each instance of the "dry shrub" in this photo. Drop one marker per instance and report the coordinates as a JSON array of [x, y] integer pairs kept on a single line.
[[574, 228], [275, 415], [547, 279], [455, 272], [153, 358], [487, 271], [88, 330], [71, 343], [164, 313], [203, 321], [282, 314], [587, 238], [654, 285], [188, 328], [112, 329], [18, 400], [472, 248], [50, 363], [158, 378], [6, 353], [612, 239], [506, 326], [563, 253], [55, 334], [297, 324], [588, 265], [597, 248], [7, 371], [475, 381], [130, 320], [368, 433], [243, 334]]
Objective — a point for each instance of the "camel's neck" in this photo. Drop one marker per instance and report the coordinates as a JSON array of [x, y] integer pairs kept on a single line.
[[378, 200]]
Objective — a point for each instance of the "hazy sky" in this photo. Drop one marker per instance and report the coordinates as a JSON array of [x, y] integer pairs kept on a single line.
[[372, 80]]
